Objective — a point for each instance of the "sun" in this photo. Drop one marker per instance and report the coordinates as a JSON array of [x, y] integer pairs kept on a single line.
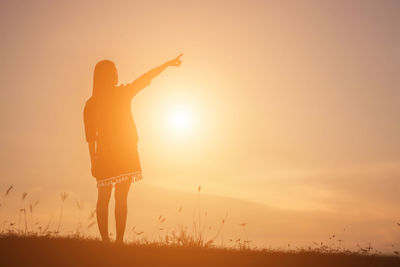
[[180, 120]]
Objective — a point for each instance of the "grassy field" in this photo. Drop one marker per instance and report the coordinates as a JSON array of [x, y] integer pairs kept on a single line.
[[26, 241], [52, 251]]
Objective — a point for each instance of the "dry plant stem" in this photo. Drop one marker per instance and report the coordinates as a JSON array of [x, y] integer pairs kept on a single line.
[[60, 217], [48, 224], [26, 221], [63, 197]]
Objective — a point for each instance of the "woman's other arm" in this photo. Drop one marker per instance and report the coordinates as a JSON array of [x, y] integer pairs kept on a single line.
[[92, 152], [90, 130]]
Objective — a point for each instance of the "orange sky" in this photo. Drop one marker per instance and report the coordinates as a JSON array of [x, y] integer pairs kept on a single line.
[[294, 104]]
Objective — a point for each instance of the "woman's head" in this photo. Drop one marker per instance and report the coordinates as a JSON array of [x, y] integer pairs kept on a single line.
[[105, 77]]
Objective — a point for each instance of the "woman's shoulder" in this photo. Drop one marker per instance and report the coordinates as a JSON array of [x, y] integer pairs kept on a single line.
[[89, 103], [89, 106]]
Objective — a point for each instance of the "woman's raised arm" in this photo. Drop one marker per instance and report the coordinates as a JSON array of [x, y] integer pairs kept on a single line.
[[176, 62], [144, 80]]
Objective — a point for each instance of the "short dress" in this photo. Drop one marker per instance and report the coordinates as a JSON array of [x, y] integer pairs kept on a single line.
[[110, 124]]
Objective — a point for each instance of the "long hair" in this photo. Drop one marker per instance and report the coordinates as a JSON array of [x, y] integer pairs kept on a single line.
[[105, 79]]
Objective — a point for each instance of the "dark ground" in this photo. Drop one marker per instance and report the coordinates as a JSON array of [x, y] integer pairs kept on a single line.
[[41, 251]]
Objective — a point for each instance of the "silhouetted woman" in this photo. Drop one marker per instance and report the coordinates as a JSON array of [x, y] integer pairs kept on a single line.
[[111, 135]]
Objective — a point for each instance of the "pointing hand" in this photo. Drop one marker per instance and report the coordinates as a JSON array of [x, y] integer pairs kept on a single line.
[[176, 62]]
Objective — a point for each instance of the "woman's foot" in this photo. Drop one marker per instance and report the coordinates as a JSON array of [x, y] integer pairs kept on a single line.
[[105, 239], [119, 241]]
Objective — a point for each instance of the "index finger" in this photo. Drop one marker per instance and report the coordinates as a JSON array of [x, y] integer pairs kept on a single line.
[[179, 56]]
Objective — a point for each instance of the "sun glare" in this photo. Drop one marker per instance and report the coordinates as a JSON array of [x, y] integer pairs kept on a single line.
[[180, 120]]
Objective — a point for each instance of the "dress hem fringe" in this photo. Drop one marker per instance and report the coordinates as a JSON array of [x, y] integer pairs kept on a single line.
[[136, 176]]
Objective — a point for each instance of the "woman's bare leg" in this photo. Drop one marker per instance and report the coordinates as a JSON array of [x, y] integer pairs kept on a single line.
[[121, 208], [103, 199]]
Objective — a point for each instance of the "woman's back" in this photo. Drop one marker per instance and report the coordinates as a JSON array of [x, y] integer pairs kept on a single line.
[[110, 122]]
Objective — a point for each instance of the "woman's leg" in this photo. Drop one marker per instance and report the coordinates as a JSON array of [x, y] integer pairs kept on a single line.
[[103, 198], [121, 207]]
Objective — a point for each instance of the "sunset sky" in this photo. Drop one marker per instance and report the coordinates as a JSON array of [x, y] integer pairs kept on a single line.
[[289, 104]]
